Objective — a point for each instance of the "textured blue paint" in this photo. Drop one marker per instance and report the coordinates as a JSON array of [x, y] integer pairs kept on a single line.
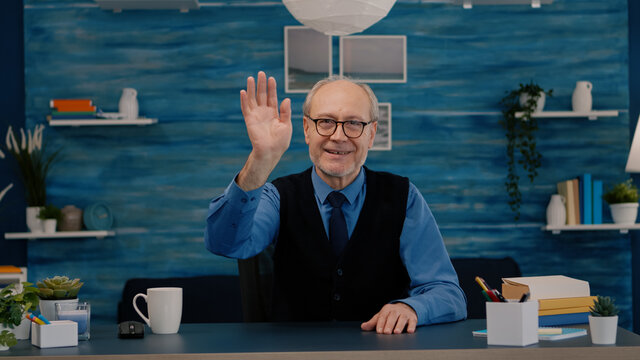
[[189, 68]]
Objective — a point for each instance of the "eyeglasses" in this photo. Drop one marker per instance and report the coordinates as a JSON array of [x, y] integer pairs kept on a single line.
[[327, 127]]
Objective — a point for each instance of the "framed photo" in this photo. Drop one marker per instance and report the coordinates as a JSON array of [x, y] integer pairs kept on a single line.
[[374, 59], [382, 140], [307, 58]]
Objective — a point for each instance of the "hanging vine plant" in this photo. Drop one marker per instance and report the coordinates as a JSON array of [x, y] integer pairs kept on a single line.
[[521, 141]]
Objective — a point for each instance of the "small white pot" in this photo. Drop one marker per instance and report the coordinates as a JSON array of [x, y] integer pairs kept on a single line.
[[50, 225], [539, 104], [624, 213], [48, 307], [603, 329], [33, 222], [23, 330], [4, 348]]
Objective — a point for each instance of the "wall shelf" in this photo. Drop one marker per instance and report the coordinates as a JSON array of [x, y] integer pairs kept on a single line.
[[59, 235], [101, 122], [118, 5], [591, 115], [624, 229]]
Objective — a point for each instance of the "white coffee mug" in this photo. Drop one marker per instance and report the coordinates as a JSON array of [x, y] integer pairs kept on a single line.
[[165, 309]]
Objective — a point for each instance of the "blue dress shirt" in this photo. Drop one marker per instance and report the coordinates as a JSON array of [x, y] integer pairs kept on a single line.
[[241, 224]]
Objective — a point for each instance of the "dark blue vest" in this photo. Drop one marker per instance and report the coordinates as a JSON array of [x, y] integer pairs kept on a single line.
[[310, 283]]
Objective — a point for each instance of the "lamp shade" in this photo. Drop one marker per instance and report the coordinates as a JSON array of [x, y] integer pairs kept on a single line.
[[339, 17], [633, 162]]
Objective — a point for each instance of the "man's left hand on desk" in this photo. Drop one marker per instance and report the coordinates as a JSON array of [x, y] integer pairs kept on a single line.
[[393, 319]]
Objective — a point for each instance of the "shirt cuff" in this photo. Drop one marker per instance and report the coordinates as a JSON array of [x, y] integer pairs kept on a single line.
[[240, 199]]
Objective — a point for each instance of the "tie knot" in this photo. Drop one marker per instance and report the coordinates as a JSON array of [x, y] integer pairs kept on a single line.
[[336, 199]]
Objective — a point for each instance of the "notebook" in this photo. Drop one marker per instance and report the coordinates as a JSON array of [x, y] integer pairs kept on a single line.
[[567, 333]]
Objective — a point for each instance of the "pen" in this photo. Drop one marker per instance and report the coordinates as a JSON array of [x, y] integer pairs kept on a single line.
[[41, 317], [524, 297], [493, 296], [498, 295], [482, 283], [486, 296], [35, 319]]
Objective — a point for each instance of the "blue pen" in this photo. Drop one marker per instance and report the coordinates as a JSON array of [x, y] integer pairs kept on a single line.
[[41, 317]]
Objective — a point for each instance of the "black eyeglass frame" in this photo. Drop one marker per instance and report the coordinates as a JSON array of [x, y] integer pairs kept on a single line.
[[336, 122]]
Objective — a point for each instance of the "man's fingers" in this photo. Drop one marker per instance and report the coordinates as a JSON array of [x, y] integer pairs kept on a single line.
[[251, 92], [285, 110], [371, 324], [400, 324], [411, 327], [243, 103], [261, 95], [272, 93]]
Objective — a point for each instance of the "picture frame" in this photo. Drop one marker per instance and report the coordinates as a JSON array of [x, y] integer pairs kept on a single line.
[[374, 58], [307, 58], [382, 140]]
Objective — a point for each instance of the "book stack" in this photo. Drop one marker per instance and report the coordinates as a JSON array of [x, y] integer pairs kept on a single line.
[[72, 109], [583, 199], [562, 300], [11, 274]]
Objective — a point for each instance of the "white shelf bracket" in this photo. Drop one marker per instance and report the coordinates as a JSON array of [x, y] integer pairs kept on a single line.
[[555, 232]]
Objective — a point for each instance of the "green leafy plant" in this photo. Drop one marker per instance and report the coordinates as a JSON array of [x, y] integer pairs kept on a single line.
[[7, 338], [521, 141], [58, 288], [625, 192], [15, 302], [604, 306], [33, 162], [50, 212]]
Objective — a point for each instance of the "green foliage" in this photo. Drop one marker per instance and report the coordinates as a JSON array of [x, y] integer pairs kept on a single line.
[[14, 303], [521, 142], [59, 288], [50, 212], [624, 192], [33, 162], [7, 338], [604, 306]]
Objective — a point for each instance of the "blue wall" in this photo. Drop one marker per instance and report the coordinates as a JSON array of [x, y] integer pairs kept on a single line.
[[189, 68]]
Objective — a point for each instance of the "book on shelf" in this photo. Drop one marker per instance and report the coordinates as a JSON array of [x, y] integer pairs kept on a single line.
[[597, 201], [576, 201], [72, 105], [10, 269], [565, 189], [586, 193]]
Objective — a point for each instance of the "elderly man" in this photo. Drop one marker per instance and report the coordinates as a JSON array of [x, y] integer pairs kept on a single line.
[[350, 243]]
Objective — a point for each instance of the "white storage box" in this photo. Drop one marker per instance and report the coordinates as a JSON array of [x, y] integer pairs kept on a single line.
[[512, 323], [59, 333]]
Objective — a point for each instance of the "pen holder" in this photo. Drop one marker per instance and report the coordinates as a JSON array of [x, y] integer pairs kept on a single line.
[[512, 323], [57, 334]]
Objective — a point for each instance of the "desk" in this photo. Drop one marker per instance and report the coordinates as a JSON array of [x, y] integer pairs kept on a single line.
[[339, 340]]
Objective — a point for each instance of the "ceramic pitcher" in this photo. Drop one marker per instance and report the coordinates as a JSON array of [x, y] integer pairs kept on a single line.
[[556, 211], [128, 106], [581, 99]]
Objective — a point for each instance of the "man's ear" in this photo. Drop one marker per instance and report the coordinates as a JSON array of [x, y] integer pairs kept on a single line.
[[374, 129], [307, 125]]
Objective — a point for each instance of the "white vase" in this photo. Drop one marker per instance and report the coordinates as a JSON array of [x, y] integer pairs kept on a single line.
[[33, 223], [581, 100], [22, 331], [524, 97], [49, 225], [603, 329], [48, 307], [556, 211], [128, 105], [624, 213]]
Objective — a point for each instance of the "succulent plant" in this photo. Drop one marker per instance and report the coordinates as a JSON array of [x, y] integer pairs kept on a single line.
[[604, 306], [59, 288]]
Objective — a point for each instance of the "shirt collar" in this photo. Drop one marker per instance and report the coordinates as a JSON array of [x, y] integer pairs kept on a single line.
[[322, 189]]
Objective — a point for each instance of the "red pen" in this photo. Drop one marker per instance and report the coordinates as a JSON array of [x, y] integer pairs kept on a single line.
[[493, 296]]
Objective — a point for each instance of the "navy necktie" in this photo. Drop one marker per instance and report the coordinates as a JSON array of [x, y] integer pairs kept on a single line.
[[338, 234]]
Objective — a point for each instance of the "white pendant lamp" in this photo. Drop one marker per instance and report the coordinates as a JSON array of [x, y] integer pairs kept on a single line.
[[339, 17]]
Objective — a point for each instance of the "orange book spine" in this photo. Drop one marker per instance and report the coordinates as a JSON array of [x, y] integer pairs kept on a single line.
[[56, 103], [75, 108]]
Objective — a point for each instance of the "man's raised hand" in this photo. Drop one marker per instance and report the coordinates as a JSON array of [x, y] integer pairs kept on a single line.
[[269, 129]]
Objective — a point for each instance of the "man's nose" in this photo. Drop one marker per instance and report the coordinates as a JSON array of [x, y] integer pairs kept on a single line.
[[339, 134]]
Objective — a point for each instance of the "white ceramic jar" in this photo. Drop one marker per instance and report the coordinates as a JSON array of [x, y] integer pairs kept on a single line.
[[556, 211]]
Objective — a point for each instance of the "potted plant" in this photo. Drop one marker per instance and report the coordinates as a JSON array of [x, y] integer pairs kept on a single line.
[[33, 164], [58, 289], [623, 202], [603, 321], [50, 216], [15, 301], [520, 133]]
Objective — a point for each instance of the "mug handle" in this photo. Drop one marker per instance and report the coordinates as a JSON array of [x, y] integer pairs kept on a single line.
[[135, 307]]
